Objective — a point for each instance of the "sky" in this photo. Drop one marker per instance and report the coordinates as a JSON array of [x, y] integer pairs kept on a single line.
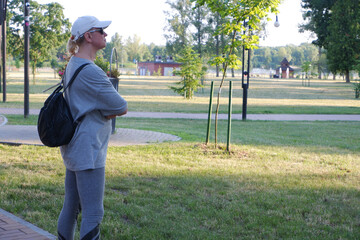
[[290, 17], [146, 18]]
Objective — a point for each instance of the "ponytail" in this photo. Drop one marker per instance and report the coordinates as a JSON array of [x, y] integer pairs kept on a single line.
[[73, 46]]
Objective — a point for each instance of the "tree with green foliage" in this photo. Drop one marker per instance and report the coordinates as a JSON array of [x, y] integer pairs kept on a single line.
[[343, 43], [201, 19], [283, 52], [48, 30], [178, 34], [310, 51], [191, 73], [156, 50], [54, 65], [306, 68], [297, 56], [270, 57], [322, 63], [136, 50], [117, 43], [318, 15], [102, 63], [235, 13]]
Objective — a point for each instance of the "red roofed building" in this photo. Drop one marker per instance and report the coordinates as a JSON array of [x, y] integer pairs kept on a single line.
[[150, 67], [286, 70]]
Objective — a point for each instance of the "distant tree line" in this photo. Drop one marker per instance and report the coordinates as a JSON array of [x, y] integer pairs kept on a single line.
[[335, 23], [270, 57], [49, 33], [189, 24]]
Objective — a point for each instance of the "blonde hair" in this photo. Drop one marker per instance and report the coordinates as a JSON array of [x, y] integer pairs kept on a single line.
[[73, 46]]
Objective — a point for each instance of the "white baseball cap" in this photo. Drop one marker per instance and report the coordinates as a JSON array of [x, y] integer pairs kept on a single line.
[[84, 24]]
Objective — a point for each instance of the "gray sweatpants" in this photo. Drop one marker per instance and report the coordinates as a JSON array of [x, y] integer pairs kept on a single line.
[[84, 191]]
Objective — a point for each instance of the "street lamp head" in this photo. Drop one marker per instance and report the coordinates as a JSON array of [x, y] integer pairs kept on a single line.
[[277, 24]]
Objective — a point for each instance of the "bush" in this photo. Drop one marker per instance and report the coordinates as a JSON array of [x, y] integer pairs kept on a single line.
[[157, 73], [114, 73], [104, 65]]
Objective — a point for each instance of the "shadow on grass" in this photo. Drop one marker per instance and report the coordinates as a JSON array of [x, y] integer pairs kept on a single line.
[[193, 207], [204, 207]]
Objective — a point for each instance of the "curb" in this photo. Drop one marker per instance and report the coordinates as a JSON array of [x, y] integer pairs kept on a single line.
[[26, 224], [3, 120]]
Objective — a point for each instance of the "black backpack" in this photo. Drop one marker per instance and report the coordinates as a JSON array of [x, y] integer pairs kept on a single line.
[[56, 125]]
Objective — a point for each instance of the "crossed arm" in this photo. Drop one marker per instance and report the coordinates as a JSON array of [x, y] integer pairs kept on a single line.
[[114, 116]]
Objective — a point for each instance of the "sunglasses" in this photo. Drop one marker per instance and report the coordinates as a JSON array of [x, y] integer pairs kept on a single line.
[[100, 30]]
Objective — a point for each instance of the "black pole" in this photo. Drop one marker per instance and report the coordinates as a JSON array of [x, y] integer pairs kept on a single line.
[[3, 47], [26, 59], [248, 67], [244, 108], [1, 23], [229, 118], [245, 87], [243, 66]]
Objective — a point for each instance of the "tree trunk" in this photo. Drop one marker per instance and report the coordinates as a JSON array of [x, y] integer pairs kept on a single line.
[[319, 67], [198, 17], [347, 76], [217, 45], [217, 54], [33, 69]]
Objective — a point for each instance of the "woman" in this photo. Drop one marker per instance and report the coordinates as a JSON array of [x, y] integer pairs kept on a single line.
[[92, 97]]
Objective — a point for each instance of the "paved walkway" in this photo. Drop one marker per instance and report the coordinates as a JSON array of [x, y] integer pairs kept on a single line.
[[263, 117], [19, 134], [12, 228]]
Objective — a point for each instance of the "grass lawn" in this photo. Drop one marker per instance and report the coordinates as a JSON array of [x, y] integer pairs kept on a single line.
[[265, 95], [282, 180]]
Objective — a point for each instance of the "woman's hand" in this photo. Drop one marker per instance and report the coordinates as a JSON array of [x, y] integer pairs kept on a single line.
[[114, 116], [110, 116]]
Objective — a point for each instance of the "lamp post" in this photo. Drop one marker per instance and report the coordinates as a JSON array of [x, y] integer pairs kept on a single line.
[[3, 4], [245, 85], [26, 57], [277, 24]]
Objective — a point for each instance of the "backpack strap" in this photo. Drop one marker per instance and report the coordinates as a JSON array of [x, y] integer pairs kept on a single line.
[[75, 75], [77, 121]]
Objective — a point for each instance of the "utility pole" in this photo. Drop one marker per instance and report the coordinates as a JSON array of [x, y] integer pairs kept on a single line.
[[26, 58]]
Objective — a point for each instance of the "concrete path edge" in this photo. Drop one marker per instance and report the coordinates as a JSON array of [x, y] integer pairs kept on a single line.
[[27, 224]]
